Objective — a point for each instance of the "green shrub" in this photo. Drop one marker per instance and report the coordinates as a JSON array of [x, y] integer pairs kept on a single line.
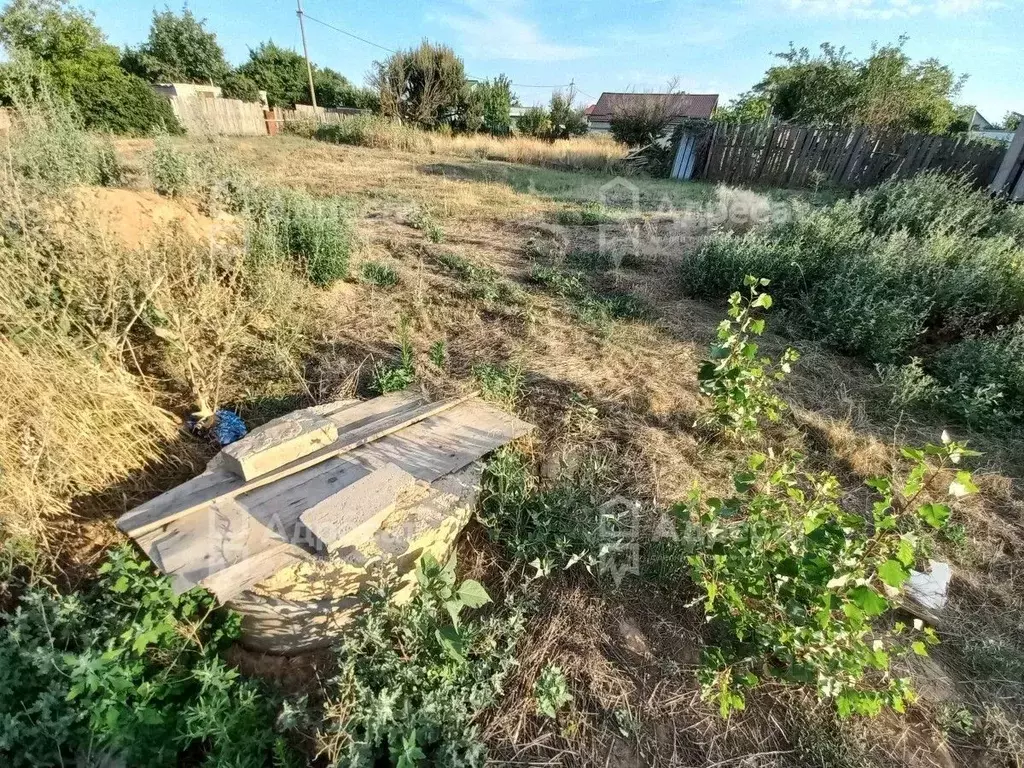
[[896, 272], [128, 672], [983, 377], [795, 587], [739, 383], [290, 226], [429, 225], [169, 168], [414, 679], [376, 273], [122, 103], [47, 144], [551, 690], [391, 377]]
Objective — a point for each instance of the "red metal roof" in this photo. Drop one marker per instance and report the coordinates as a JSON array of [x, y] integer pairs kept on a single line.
[[682, 104]]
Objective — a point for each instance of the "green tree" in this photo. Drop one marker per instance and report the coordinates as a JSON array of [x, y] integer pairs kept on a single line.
[[565, 119], [746, 108], [73, 55], [280, 72], [179, 49], [533, 122], [887, 89], [425, 86], [495, 100], [237, 86], [1011, 121]]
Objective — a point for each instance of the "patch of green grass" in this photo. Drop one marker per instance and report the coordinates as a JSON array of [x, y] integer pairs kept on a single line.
[[597, 261], [379, 274], [591, 309], [500, 384], [485, 284], [588, 214]]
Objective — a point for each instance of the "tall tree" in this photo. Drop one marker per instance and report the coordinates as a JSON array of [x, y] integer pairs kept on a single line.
[[179, 49], [281, 72], [74, 56], [887, 89], [426, 85]]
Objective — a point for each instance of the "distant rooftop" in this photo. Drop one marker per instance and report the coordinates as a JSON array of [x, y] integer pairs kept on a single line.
[[699, 105]]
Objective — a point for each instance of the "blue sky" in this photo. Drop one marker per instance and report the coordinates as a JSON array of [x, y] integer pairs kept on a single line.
[[616, 45]]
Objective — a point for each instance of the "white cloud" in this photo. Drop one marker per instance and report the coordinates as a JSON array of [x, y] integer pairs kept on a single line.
[[889, 9], [490, 32]]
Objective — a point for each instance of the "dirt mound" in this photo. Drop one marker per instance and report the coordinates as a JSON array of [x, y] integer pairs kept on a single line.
[[139, 218]]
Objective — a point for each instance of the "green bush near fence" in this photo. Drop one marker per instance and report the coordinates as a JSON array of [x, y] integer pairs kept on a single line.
[[905, 269]]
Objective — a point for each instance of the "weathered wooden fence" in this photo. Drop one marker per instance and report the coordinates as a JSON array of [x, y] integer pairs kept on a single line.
[[854, 158], [231, 117]]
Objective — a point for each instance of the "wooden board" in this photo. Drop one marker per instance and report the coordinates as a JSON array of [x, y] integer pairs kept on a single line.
[[355, 512], [266, 521], [279, 442], [357, 425]]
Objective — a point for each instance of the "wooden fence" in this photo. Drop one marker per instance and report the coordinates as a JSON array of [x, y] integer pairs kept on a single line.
[[231, 117], [854, 158]]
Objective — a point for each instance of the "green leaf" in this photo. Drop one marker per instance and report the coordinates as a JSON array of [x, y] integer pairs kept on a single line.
[[893, 573], [914, 454], [919, 648], [743, 481], [935, 515], [757, 326], [763, 300], [963, 485], [868, 600], [473, 594], [906, 553]]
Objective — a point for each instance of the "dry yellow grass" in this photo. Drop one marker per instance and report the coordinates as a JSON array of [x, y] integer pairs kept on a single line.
[[625, 395], [590, 152]]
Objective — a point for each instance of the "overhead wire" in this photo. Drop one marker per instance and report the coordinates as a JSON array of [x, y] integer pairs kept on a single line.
[[354, 36]]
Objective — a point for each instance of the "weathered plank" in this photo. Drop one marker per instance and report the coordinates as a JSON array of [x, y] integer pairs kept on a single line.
[[279, 442], [354, 512], [357, 426]]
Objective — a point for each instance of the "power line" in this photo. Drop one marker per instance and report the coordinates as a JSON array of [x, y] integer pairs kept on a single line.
[[350, 34], [392, 50]]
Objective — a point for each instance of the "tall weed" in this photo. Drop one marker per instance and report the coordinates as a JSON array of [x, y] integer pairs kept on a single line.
[[901, 270]]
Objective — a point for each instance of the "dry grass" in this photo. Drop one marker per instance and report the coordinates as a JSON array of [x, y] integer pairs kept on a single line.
[[625, 395], [592, 153]]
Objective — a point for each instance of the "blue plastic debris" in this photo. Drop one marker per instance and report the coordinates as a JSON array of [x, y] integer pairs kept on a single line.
[[222, 428], [227, 427]]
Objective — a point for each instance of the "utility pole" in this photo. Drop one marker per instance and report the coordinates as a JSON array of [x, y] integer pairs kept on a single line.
[[305, 50]]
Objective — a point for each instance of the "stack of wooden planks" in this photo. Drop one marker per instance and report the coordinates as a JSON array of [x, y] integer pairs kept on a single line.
[[299, 505]]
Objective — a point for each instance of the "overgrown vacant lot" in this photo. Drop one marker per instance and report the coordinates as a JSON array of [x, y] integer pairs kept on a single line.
[[366, 270]]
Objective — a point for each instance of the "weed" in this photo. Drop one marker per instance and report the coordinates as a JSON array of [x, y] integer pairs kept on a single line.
[[551, 690], [500, 384], [127, 673], [553, 529], [391, 377], [379, 274], [429, 225], [904, 270], [485, 283], [438, 353], [795, 585], [287, 226], [413, 679], [588, 214], [170, 170], [738, 382]]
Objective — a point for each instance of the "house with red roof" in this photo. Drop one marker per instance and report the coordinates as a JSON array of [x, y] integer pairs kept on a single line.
[[680, 105]]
